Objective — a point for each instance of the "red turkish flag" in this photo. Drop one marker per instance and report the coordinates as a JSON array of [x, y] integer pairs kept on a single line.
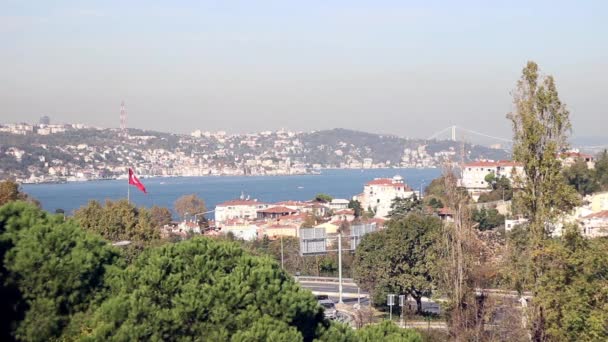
[[133, 180]]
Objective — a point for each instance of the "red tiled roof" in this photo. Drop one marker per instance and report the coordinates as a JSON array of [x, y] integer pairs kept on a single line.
[[445, 211], [382, 181], [388, 182], [599, 215], [277, 210], [576, 155], [241, 202]]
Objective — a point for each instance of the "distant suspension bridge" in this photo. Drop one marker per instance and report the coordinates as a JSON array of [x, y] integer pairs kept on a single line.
[[457, 133], [452, 131]]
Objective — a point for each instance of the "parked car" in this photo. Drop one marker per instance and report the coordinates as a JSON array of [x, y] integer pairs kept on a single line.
[[329, 308]]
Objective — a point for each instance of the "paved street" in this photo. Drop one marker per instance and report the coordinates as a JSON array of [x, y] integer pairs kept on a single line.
[[349, 294]]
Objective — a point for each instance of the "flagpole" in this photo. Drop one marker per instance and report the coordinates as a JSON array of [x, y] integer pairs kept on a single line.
[[128, 190]]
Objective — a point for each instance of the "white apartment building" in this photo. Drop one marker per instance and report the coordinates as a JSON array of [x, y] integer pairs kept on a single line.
[[474, 174], [338, 204], [380, 193], [595, 225], [245, 209]]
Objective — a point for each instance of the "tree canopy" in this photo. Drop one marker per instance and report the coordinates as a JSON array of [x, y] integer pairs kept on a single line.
[[541, 125], [399, 259], [189, 205], [325, 198], [10, 191], [487, 218], [117, 220], [53, 269], [501, 189], [401, 207], [201, 287]]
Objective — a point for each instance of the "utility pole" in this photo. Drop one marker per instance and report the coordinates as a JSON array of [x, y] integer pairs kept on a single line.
[[282, 259], [340, 267], [402, 304]]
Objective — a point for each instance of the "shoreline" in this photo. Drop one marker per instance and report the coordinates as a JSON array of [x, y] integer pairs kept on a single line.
[[319, 172]]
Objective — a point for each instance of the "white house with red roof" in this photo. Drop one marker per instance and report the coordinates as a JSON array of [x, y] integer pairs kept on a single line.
[[474, 173], [595, 225], [379, 194], [274, 213], [570, 157], [246, 209]]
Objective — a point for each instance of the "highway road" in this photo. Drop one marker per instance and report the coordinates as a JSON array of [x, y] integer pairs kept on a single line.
[[350, 296]]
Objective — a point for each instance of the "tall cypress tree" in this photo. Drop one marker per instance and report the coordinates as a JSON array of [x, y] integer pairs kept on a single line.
[[541, 125]]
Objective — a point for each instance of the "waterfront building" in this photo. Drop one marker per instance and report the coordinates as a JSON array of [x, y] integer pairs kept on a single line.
[[379, 194], [238, 209], [474, 174]]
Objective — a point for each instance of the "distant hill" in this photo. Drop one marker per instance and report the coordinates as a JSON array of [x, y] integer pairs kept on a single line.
[[321, 147], [103, 153]]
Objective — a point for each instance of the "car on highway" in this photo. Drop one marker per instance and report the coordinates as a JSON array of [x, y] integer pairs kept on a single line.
[[329, 308]]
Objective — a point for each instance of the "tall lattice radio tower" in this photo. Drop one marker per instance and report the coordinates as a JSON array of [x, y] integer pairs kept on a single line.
[[123, 119]]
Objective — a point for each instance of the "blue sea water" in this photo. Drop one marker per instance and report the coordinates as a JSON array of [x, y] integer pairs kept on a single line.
[[214, 190]]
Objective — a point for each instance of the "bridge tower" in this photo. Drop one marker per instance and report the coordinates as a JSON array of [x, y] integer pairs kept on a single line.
[[454, 133]]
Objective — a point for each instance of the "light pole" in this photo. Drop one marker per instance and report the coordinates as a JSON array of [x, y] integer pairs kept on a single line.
[[282, 262], [206, 212], [340, 267], [421, 184]]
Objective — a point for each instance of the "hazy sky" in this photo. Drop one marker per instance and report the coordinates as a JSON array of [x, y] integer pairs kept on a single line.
[[404, 67]]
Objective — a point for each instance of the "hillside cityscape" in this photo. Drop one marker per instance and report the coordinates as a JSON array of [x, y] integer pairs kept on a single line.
[[304, 171], [45, 152]]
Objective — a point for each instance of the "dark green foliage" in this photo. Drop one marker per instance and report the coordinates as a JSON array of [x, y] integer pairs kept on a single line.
[[582, 178], [400, 207], [487, 218], [356, 206], [54, 267], [202, 287], [323, 198], [381, 332], [399, 259], [60, 282], [501, 189], [387, 331], [436, 188], [434, 203], [574, 288], [601, 170]]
